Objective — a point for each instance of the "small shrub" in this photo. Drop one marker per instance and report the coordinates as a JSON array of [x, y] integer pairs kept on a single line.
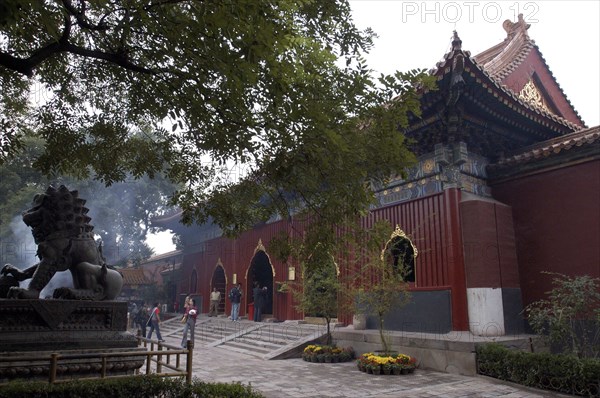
[[563, 373], [570, 316], [130, 387]]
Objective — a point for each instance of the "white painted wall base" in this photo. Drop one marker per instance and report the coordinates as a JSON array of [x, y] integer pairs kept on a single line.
[[486, 312]]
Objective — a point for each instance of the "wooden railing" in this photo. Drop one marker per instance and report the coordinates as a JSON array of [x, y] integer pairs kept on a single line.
[[176, 368], [161, 357]]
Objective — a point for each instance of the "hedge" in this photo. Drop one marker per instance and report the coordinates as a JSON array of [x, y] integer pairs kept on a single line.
[[130, 387], [562, 373]]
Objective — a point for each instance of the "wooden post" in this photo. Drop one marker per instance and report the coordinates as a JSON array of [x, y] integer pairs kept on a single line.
[[159, 360], [188, 364], [103, 372], [53, 366]]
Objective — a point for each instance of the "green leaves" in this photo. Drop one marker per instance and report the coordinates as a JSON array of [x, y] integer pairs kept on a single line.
[[570, 316], [251, 84]]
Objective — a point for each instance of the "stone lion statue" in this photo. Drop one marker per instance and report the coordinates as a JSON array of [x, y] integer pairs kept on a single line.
[[61, 229]]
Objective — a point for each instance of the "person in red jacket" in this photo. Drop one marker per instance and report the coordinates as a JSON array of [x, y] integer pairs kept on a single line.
[[154, 322]]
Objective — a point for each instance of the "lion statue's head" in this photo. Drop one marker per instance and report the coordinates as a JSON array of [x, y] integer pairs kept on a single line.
[[57, 212]]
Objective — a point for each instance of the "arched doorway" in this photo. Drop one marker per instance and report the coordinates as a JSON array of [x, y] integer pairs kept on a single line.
[[261, 272], [401, 253], [218, 281]]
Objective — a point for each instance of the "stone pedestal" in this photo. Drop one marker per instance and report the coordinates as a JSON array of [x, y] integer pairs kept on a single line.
[[32, 330]]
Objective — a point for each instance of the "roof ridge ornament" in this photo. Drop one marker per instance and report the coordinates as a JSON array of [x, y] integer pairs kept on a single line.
[[456, 42], [512, 28]]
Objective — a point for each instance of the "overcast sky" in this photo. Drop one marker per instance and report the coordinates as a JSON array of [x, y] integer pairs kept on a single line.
[[416, 34]]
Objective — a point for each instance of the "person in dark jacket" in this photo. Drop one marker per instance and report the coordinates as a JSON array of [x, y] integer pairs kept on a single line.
[[235, 295], [259, 296]]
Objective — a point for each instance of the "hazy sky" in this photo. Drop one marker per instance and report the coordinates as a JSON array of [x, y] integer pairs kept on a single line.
[[417, 34]]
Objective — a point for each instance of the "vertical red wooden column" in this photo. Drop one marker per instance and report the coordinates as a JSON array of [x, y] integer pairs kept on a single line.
[[456, 261]]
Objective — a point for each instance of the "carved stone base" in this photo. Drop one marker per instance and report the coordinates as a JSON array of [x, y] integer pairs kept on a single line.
[[38, 328]]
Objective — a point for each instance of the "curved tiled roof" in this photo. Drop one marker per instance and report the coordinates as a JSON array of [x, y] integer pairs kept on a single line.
[[134, 276], [552, 147], [501, 60], [445, 66]]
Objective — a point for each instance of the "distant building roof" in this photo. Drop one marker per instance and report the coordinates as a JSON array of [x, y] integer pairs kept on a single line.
[[134, 276]]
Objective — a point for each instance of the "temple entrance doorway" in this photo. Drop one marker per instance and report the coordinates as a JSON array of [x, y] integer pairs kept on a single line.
[[218, 280], [261, 272], [400, 253]]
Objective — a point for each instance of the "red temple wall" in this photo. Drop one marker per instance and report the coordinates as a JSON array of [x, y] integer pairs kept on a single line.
[[432, 223], [557, 224]]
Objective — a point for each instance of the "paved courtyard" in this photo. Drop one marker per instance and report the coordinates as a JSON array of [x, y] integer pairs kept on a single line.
[[297, 378]]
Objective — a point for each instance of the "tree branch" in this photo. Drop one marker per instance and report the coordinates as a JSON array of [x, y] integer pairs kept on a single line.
[[80, 16], [26, 66]]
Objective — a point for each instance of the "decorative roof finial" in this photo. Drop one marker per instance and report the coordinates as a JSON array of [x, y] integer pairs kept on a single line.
[[456, 42], [512, 28]]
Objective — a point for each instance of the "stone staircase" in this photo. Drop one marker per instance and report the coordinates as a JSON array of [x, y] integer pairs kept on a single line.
[[267, 340]]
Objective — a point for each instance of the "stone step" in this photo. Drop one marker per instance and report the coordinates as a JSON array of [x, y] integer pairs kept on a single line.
[[261, 339], [249, 342]]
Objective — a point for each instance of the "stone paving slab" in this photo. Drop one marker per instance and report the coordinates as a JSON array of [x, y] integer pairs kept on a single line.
[[297, 378]]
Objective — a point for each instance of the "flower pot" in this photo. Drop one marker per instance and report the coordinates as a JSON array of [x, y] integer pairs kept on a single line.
[[404, 371], [396, 371], [377, 370], [387, 371]]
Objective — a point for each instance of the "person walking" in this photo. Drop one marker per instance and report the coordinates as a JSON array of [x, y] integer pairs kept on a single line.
[[142, 318], [235, 295], [191, 313], [155, 322], [215, 299]]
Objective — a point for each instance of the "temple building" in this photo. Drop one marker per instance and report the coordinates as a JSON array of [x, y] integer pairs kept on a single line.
[[506, 188]]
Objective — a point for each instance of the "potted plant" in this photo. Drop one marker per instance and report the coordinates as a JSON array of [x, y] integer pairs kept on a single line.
[[388, 364], [327, 353], [387, 368], [375, 368]]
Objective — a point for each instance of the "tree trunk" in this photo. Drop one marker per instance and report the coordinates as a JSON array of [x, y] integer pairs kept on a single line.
[[384, 343]]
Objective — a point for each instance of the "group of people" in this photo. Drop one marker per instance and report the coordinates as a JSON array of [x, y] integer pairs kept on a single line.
[[259, 295], [235, 296], [189, 319], [144, 317]]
